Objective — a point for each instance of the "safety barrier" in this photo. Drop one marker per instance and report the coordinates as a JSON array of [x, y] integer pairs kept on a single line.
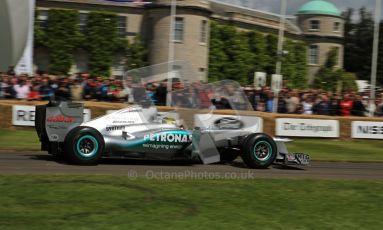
[[274, 124]]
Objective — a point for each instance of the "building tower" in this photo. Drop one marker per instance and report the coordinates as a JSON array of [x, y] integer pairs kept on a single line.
[[191, 33], [323, 29]]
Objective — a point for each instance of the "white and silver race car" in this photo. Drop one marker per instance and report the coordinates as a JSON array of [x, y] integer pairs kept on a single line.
[[141, 132]]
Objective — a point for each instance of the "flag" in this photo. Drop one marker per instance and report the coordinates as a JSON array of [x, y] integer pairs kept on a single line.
[[25, 64]]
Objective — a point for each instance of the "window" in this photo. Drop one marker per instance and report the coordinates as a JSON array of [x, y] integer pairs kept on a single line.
[[202, 73], [82, 22], [179, 29], [314, 25], [177, 67], [204, 29], [336, 26], [313, 55], [121, 26], [42, 19]]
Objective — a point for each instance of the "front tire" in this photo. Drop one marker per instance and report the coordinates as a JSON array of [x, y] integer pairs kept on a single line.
[[259, 151], [84, 146]]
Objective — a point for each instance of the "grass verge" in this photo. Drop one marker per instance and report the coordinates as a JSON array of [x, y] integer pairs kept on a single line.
[[340, 150], [319, 149], [15, 139], [103, 202]]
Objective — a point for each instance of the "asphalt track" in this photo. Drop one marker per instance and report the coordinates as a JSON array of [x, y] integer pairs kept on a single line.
[[40, 163]]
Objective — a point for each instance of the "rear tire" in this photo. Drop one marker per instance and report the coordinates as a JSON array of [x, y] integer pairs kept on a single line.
[[259, 151], [84, 146]]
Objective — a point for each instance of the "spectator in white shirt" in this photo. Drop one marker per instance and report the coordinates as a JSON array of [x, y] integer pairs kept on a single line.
[[22, 90], [307, 106]]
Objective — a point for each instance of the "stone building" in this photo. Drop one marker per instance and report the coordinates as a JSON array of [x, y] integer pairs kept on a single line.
[[318, 22], [323, 29]]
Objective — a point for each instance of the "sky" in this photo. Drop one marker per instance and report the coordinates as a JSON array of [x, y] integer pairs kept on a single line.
[[293, 5]]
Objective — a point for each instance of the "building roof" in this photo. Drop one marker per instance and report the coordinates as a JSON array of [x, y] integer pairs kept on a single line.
[[123, 3], [222, 9], [319, 7]]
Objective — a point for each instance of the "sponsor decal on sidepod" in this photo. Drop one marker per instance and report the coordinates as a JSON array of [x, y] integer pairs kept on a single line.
[[169, 137]]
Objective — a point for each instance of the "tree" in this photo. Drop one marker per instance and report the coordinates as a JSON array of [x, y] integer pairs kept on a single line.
[[299, 80], [217, 55], [294, 64], [288, 60], [328, 76], [61, 37], [39, 33], [236, 55], [257, 46], [101, 42], [358, 43], [349, 81], [363, 39], [271, 47], [236, 47], [349, 41], [137, 54]]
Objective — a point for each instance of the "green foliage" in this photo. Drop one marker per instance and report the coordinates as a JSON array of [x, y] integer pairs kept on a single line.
[[272, 55], [137, 55], [363, 37], [327, 79], [60, 38], [332, 58], [39, 34], [257, 45], [327, 76], [349, 81], [236, 47], [294, 67], [217, 55], [236, 55], [358, 44], [350, 49], [288, 59], [101, 38], [299, 78]]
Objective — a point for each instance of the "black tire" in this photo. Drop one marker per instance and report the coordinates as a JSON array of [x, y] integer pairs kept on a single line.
[[228, 155], [84, 146], [259, 151]]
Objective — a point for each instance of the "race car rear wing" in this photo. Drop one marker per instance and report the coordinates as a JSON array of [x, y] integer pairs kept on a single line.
[[54, 120]]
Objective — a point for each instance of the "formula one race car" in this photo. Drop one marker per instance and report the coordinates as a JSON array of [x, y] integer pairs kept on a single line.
[[141, 132]]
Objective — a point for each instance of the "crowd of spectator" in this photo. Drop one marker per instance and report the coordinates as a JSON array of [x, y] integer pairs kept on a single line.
[[83, 87], [315, 101], [76, 87]]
